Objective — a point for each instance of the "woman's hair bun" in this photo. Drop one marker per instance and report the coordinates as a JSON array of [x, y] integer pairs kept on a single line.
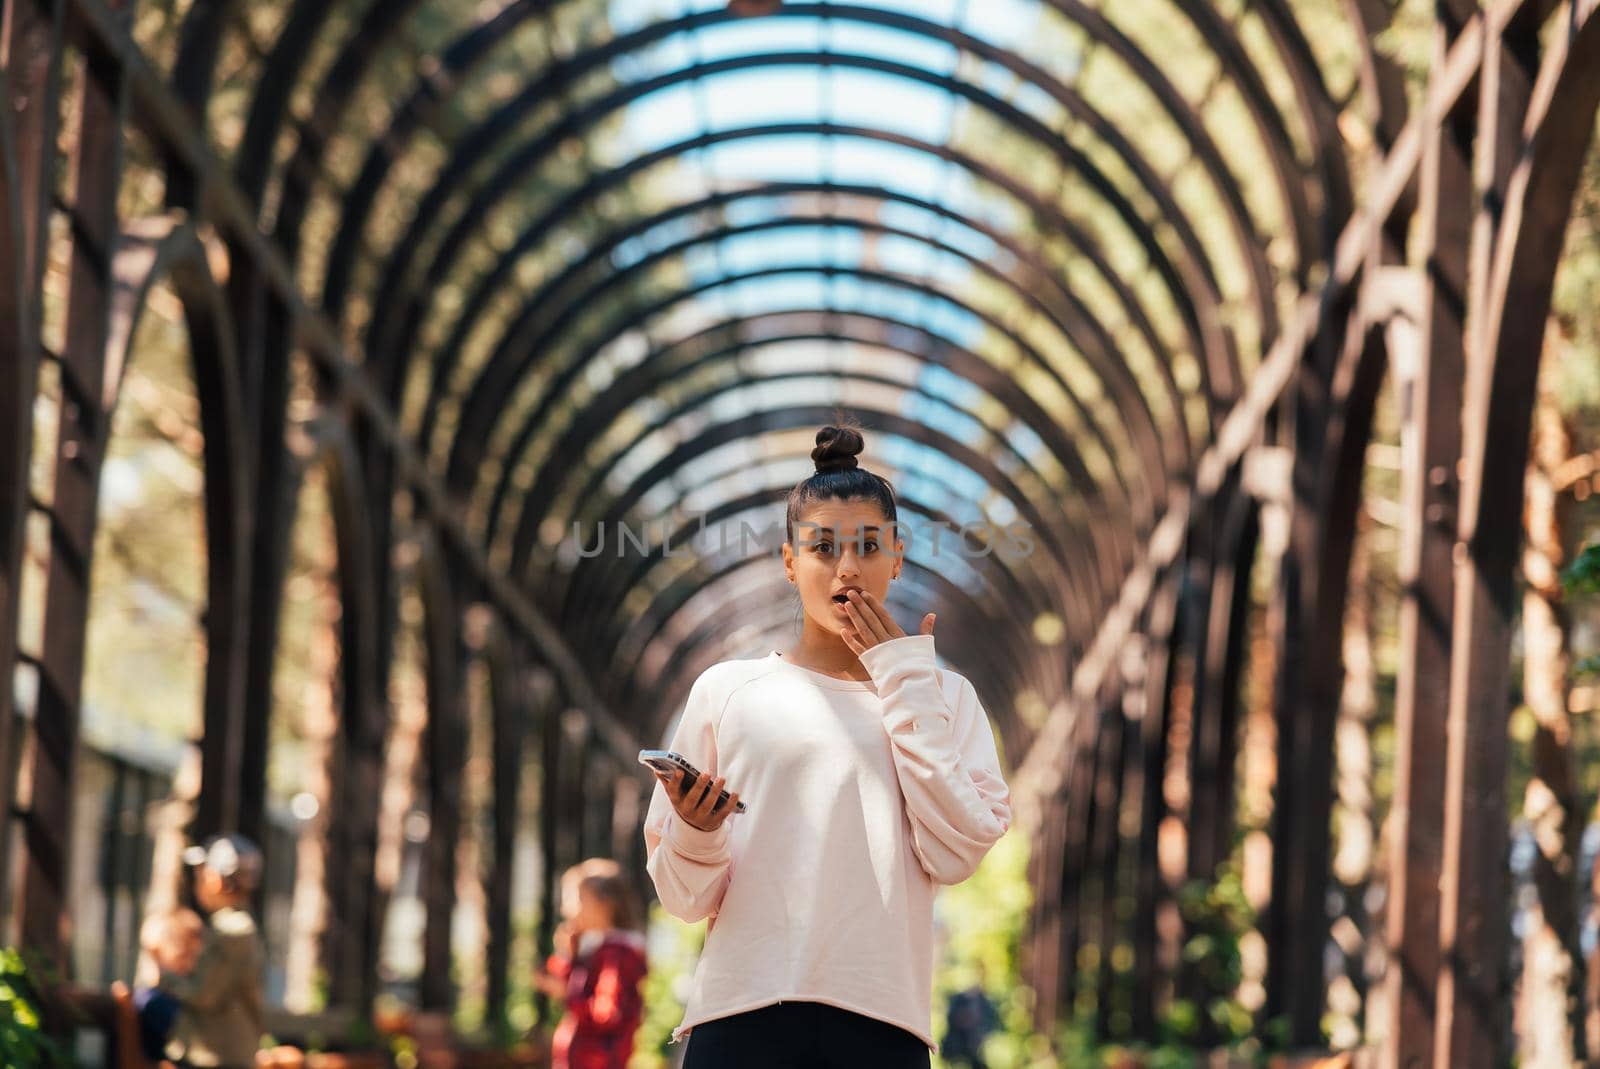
[[837, 448]]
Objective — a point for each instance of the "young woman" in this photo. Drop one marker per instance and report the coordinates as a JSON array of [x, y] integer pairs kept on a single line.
[[870, 776], [597, 969]]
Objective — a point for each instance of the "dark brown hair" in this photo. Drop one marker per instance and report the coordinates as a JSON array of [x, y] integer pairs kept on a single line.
[[838, 475], [602, 878]]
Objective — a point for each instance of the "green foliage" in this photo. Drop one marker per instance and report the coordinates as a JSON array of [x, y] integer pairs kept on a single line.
[[1217, 916], [984, 920], [674, 948], [23, 1042], [1582, 576]]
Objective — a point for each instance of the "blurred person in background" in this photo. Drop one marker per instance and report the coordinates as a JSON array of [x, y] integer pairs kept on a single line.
[[597, 970], [221, 1002]]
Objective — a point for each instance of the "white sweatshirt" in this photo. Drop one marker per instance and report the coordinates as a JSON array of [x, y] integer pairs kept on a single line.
[[863, 797]]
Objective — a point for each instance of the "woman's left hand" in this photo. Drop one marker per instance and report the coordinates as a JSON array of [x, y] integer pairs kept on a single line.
[[872, 624]]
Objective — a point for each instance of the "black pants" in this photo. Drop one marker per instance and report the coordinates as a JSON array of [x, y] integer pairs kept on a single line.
[[803, 1035]]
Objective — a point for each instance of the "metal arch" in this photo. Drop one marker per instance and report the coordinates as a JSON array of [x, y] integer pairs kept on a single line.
[[1000, 583], [1291, 185], [610, 332], [1069, 582], [1210, 343], [765, 274], [445, 363], [346, 241], [200, 39], [719, 437], [1093, 24], [1068, 156], [279, 79], [461, 467], [171, 250], [799, 416], [1500, 391], [1112, 554], [350, 886], [1381, 79], [1317, 111], [533, 235], [409, 322], [876, 276], [1228, 49], [593, 617], [447, 740], [519, 444], [1189, 279]]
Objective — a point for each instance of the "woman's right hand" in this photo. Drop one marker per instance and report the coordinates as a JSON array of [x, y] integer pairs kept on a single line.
[[696, 802]]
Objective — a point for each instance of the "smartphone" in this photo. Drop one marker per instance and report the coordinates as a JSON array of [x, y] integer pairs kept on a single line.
[[666, 761]]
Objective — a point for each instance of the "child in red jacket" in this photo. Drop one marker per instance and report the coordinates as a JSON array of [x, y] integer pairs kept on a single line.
[[597, 969]]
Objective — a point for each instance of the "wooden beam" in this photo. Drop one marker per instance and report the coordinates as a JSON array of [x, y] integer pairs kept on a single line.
[[165, 119], [46, 923], [1429, 384], [1041, 772], [1551, 139]]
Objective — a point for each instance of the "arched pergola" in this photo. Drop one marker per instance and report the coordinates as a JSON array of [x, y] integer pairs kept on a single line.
[[555, 267]]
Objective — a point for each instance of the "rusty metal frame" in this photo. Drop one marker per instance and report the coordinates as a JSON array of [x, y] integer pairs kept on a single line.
[[44, 919], [1141, 498], [527, 523], [19, 370], [481, 139], [723, 339]]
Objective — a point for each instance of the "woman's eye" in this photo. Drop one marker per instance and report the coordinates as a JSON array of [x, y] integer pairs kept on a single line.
[[871, 545], [824, 547]]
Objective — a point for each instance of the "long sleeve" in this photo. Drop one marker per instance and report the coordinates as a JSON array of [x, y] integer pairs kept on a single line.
[[690, 867], [949, 770]]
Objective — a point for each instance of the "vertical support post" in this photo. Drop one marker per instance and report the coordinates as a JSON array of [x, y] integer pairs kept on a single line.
[[1517, 243], [551, 760], [1042, 955], [1074, 853], [1149, 889], [509, 711], [1429, 381], [80, 451], [29, 92], [446, 738]]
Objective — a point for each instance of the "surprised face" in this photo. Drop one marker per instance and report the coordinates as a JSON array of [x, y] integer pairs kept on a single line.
[[839, 545]]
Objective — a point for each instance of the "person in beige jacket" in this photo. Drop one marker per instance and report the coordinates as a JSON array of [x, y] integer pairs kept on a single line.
[[221, 1020]]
